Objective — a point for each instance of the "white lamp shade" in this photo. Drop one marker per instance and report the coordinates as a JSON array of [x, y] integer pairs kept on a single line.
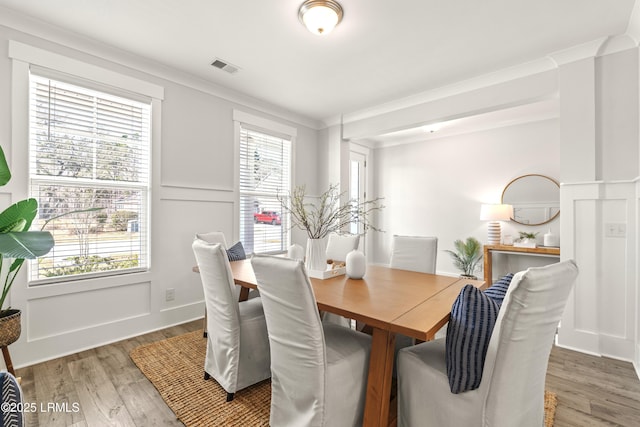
[[496, 212]]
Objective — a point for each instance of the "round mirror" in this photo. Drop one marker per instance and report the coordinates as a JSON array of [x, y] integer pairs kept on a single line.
[[535, 199]]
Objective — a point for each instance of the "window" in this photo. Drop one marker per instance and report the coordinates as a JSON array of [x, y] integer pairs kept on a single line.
[[265, 164], [89, 149]]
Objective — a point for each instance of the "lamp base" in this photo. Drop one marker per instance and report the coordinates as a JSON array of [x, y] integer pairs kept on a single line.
[[493, 233]]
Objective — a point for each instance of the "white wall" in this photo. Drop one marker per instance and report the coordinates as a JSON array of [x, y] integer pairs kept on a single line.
[[192, 191], [600, 191], [436, 187]]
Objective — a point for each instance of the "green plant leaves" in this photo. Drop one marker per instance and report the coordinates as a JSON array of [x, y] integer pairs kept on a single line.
[[20, 213], [467, 255], [5, 173], [30, 245]]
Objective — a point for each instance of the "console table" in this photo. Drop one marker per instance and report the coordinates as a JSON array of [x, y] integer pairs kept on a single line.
[[490, 249]]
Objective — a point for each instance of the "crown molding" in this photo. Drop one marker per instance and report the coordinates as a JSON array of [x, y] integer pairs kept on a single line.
[[633, 28]]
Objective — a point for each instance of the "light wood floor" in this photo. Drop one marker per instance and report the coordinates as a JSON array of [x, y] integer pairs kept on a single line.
[[102, 387]]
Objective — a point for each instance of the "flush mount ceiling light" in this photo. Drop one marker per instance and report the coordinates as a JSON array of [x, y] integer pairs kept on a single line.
[[320, 16]]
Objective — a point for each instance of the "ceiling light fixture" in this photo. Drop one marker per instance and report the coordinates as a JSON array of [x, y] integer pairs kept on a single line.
[[320, 16]]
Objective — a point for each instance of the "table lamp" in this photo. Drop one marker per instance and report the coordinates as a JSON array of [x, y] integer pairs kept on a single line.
[[494, 214]]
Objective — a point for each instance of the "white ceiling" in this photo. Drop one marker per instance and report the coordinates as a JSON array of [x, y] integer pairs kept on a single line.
[[382, 51]]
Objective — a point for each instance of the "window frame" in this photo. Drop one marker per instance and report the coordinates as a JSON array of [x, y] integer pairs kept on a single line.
[[24, 57], [67, 84], [272, 128]]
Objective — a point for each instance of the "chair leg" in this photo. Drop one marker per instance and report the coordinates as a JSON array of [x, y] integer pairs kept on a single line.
[[206, 375], [229, 397]]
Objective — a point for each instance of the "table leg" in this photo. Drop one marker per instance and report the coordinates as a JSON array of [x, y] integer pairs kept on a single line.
[[244, 294], [376, 410], [488, 266]]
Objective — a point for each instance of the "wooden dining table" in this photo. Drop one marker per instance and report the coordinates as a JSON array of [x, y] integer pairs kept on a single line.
[[389, 301]]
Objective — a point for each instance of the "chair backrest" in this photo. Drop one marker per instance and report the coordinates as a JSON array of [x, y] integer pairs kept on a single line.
[[223, 319], [415, 253], [518, 354], [213, 237], [339, 245], [296, 339]]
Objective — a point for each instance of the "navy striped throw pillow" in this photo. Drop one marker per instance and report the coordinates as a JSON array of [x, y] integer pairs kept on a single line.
[[236, 252], [11, 414], [498, 290], [473, 316]]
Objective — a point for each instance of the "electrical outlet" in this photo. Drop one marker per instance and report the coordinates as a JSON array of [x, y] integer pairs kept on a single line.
[[615, 229], [170, 295]]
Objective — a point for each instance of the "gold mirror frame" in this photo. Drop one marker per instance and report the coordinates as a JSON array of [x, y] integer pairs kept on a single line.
[[550, 212]]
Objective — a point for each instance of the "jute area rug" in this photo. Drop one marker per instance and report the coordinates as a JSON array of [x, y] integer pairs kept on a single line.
[[175, 367]]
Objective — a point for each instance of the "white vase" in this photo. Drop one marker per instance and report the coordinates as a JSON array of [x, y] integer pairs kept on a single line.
[[316, 254], [551, 239], [356, 264]]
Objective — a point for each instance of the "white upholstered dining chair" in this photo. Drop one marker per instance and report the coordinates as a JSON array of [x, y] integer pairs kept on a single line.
[[415, 253], [218, 237], [237, 354], [213, 237], [318, 371], [338, 246], [511, 389]]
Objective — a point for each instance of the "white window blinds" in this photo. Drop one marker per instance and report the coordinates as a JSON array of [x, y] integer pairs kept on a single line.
[[89, 149], [265, 169]]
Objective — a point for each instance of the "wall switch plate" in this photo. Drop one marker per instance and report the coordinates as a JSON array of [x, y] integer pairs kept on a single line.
[[615, 229], [170, 295]]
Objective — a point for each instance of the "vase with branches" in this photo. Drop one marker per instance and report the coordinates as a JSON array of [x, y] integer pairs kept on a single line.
[[327, 214]]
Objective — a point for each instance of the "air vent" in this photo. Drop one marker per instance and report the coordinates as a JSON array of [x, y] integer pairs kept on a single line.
[[225, 66]]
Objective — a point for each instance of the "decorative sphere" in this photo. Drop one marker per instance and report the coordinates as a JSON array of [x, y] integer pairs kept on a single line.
[[356, 265]]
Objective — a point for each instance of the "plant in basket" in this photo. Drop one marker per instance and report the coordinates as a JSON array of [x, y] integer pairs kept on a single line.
[[17, 244]]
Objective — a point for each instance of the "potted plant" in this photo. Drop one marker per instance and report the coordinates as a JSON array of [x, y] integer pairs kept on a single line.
[[327, 215], [17, 244], [526, 240], [467, 256]]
